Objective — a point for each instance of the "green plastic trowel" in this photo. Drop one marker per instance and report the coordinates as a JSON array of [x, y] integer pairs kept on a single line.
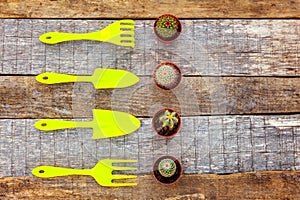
[[105, 124], [102, 78]]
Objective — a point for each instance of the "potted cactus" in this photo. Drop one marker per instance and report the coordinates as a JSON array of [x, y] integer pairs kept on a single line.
[[167, 75], [167, 170], [167, 28], [166, 122]]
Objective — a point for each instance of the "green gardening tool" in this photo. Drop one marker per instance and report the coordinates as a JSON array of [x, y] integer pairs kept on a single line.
[[102, 172], [102, 78], [105, 124], [120, 33]]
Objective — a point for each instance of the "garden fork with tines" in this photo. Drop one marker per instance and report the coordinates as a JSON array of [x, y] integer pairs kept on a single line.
[[120, 33], [102, 172]]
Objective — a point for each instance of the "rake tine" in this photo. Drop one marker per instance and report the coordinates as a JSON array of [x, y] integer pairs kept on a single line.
[[129, 36], [118, 177], [127, 39], [127, 32], [118, 168], [128, 44], [122, 161], [123, 184], [127, 28], [127, 22]]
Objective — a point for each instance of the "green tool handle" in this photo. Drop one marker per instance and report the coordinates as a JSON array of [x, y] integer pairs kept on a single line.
[[53, 124], [53, 78], [49, 171], [57, 37]]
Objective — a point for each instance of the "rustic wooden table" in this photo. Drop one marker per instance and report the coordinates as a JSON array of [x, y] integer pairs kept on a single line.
[[239, 99]]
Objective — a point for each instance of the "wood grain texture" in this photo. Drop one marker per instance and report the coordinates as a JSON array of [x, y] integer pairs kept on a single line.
[[150, 9], [204, 144], [24, 97], [205, 48], [261, 185], [249, 53]]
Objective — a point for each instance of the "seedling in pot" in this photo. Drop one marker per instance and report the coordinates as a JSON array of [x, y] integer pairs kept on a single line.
[[167, 76], [167, 28], [166, 122], [167, 170]]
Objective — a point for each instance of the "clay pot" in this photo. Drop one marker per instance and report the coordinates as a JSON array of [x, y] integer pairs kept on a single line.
[[167, 170], [166, 122], [167, 76], [167, 28]]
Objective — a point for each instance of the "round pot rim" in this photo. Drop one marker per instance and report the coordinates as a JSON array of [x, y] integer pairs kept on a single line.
[[167, 63], [179, 126], [167, 41], [173, 158]]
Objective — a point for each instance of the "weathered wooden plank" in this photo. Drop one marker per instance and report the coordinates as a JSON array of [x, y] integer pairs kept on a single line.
[[259, 185], [205, 144], [149, 9], [23, 97], [205, 47], [15, 85]]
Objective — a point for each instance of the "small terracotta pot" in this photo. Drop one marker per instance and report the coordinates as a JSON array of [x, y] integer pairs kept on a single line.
[[167, 76], [167, 170], [163, 35], [160, 118]]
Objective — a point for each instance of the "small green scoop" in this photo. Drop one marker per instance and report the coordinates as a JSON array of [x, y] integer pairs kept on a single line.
[[105, 124], [102, 78]]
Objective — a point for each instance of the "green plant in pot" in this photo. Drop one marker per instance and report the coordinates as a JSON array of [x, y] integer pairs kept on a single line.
[[167, 167], [167, 28], [169, 119], [166, 122], [167, 170], [167, 76]]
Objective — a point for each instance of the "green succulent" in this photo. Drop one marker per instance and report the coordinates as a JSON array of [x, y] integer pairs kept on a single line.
[[166, 76], [167, 167], [167, 26], [169, 119]]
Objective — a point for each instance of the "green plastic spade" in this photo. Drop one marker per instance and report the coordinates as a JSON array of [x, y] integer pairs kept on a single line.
[[105, 124], [102, 78]]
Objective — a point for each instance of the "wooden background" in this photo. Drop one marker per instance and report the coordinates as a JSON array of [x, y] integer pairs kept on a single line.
[[239, 99]]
